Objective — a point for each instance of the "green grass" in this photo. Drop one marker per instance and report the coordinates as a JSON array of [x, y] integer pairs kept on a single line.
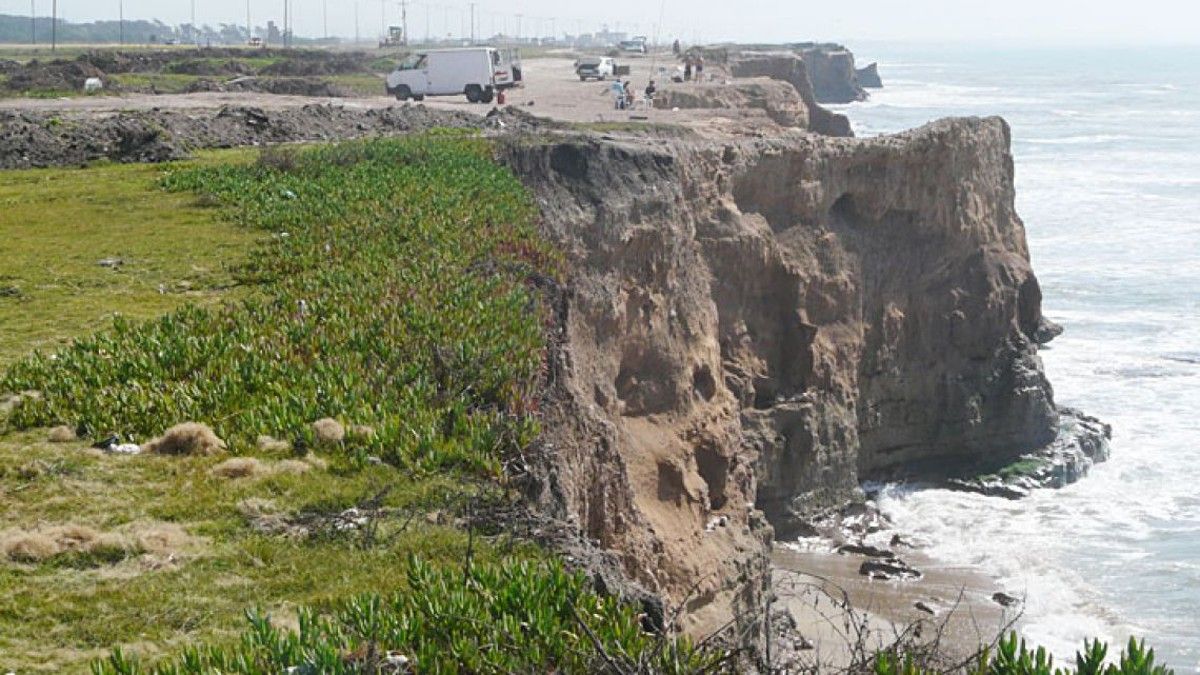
[[162, 83], [59, 223], [397, 299], [390, 283], [59, 615], [362, 84]]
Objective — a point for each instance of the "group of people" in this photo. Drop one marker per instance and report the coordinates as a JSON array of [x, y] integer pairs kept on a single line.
[[693, 66], [693, 63], [625, 98]]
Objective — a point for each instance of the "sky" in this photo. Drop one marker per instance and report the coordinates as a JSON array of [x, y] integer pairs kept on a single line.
[[1034, 21]]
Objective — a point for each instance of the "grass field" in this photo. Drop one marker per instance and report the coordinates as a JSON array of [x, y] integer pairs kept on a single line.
[[59, 224], [382, 283]]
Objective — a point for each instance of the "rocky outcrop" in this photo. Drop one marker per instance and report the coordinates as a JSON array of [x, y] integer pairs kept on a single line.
[[868, 77], [779, 100], [755, 326], [41, 139], [834, 77], [791, 69]]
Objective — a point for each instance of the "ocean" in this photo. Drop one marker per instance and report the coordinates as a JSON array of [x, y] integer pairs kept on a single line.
[[1106, 143]]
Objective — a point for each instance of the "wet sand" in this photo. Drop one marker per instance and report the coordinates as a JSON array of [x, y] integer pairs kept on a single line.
[[813, 583]]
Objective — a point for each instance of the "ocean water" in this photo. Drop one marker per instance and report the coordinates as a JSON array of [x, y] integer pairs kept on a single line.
[[1107, 150]]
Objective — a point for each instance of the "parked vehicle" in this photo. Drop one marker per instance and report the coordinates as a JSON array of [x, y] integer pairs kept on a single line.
[[475, 72], [394, 37], [595, 68], [637, 44]]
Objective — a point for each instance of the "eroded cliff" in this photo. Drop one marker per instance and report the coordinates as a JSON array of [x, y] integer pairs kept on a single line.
[[756, 326]]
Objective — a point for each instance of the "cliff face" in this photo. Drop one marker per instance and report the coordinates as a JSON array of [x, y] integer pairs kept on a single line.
[[834, 77], [792, 69], [779, 100], [868, 77], [755, 326]]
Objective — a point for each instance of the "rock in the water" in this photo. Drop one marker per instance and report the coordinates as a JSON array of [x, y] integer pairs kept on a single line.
[[924, 607], [866, 550], [1004, 599], [868, 77], [889, 569]]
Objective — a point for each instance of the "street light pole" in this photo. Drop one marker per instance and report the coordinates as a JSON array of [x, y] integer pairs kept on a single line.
[[121, 20], [404, 22], [32, 22], [325, 17], [54, 26]]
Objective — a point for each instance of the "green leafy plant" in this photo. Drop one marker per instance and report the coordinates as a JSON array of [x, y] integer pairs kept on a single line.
[[393, 294], [1012, 656], [516, 616]]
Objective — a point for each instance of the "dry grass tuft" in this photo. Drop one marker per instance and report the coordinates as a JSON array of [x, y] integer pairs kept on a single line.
[[316, 462], [361, 431], [329, 431], [163, 538], [62, 434], [189, 438], [240, 467], [33, 546], [272, 445], [33, 470], [28, 547], [257, 507], [292, 466]]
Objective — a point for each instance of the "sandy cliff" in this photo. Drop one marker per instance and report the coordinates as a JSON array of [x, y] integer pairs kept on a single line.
[[755, 326], [790, 68]]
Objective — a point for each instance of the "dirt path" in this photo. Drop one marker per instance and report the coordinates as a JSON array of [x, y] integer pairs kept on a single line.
[[551, 90]]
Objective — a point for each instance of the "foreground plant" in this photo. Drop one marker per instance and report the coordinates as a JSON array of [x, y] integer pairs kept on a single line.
[[393, 294], [1011, 656], [505, 618]]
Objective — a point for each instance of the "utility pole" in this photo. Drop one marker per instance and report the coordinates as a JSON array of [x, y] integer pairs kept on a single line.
[[404, 22], [195, 37], [121, 21], [383, 18], [518, 28], [325, 17], [32, 22], [357, 35], [286, 39], [249, 26], [54, 26], [472, 23]]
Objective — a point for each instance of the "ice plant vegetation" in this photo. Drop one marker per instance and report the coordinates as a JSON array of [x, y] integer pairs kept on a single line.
[[393, 294]]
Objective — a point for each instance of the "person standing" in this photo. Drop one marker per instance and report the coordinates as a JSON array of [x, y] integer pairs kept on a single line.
[[699, 67], [675, 49], [687, 68]]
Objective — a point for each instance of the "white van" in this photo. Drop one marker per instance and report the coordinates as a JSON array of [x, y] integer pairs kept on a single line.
[[595, 67], [476, 72]]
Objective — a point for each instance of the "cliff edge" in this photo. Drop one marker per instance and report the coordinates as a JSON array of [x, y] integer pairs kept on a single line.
[[755, 326]]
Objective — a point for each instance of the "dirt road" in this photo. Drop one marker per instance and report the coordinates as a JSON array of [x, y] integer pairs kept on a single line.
[[551, 90]]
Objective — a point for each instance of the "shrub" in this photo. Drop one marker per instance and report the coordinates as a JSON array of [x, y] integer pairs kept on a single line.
[[1012, 656], [504, 618]]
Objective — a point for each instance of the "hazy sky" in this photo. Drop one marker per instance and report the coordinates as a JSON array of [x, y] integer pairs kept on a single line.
[[1126, 21]]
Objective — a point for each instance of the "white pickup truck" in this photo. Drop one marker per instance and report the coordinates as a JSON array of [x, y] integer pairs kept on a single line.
[[475, 72]]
